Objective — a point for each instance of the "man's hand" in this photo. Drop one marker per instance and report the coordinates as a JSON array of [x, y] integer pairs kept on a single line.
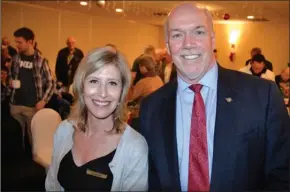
[[39, 105]]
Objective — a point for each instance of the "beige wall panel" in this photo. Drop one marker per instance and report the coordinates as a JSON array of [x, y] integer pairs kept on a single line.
[[77, 25], [44, 23], [11, 17]]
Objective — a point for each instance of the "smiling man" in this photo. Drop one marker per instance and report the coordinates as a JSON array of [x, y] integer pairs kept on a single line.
[[214, 129]]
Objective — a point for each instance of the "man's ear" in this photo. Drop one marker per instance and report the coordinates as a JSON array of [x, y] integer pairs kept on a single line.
[[213, 39], [30, 42]]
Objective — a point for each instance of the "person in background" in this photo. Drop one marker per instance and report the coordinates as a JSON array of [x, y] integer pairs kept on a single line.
[[283, 81], [111, 45], [150, 83], [11, 50], [30, 81], [256, 51], [5, 109], [160, 62], [94, 149], [67, 62], [4, 82], [169, 69], [258, 68], [212, 129], [5, 57], [135, 71]]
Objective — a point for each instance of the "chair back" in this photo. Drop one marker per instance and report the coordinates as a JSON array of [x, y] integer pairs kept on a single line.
[[71, 90], [43, 126]]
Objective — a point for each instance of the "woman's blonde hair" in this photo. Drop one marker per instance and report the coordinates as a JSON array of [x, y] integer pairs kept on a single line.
[[93, 61]]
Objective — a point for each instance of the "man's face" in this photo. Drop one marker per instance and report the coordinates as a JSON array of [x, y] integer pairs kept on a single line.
[[191, 42], [23, 45], [71, 44], [257, 66]]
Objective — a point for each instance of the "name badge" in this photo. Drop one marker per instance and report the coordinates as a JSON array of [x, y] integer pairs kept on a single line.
[[96, 174]]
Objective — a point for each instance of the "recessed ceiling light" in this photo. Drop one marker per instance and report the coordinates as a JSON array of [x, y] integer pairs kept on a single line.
[[84, 3], [250, 17], [119, 10], [101, 3]]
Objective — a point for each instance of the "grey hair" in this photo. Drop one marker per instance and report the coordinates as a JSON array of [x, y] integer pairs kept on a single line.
[[93, 61]]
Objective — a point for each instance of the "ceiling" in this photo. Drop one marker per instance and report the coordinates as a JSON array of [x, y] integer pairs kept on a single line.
[[154, 12]]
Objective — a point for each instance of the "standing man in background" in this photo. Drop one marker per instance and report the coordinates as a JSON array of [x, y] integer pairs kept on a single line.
[[67, 62], [30, 78]]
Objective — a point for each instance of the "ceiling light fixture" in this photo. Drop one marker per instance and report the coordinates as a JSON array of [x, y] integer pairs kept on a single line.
[[250, 17], [118, 10], [84, 3], [101, 3]]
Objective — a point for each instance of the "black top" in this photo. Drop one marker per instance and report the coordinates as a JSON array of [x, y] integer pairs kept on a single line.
[[26, 94], [94, 175]]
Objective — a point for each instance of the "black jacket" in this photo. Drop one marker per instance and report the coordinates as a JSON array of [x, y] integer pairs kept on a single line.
[[62, 67]]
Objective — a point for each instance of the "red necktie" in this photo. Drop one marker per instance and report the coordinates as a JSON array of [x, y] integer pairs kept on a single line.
[[198, 173]]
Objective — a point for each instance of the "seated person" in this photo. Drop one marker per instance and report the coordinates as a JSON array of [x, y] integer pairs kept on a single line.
[[283, 82], [258, 68], [256, 51], [150, 83]]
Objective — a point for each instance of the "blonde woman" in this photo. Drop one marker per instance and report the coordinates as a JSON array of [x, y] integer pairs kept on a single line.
[[94, 149]]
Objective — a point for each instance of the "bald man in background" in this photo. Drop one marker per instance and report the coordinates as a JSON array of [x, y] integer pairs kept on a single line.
[[67, 62]]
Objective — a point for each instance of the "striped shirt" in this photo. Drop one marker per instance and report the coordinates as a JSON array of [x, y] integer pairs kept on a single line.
[[42, 76]]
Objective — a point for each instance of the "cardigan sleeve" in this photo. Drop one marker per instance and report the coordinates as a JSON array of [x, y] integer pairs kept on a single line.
[[51, 182], [136, 172]]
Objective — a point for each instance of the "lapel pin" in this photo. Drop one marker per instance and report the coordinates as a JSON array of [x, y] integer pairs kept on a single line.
[[228, 99]]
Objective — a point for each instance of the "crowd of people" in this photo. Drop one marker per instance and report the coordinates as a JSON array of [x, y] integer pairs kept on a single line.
[[200, 127]]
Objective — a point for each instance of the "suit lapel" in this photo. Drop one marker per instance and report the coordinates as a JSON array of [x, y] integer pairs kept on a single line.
[[227, 105], [169, 133]]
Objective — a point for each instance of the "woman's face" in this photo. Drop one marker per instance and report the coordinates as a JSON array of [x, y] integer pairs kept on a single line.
[[102, 91]]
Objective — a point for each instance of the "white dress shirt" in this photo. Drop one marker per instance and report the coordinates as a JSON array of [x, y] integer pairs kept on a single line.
[[184, 103]]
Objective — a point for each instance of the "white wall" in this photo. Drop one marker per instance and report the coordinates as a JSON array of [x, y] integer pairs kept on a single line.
[[52, 27]]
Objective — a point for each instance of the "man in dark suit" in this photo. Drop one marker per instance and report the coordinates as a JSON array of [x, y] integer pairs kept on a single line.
[[67, 62], [213, 129]]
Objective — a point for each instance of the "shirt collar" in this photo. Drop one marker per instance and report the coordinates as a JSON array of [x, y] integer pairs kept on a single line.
[[209, 80]]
